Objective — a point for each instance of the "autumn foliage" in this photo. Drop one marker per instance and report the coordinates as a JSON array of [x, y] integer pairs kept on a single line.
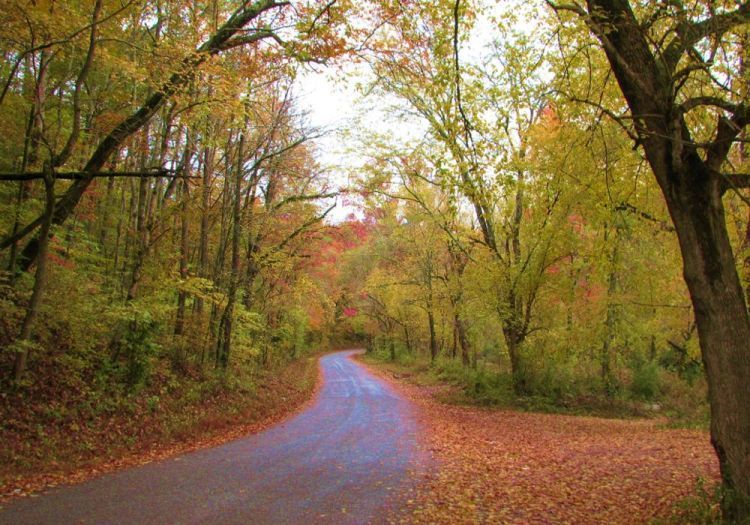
[[499, 466]]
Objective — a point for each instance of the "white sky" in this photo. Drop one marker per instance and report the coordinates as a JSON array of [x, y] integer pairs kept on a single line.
[[330, 97], [334, 105], [331, 106]]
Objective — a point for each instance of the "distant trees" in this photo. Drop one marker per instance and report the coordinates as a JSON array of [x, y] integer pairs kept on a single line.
[[554, 259], [529, 150], [474, 128]]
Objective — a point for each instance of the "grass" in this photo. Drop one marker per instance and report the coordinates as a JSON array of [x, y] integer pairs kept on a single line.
[[702, 508]]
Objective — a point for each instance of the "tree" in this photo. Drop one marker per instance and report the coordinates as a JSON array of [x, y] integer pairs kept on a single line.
[[95, 93], [479, 120], [224, 39], [667, 61]]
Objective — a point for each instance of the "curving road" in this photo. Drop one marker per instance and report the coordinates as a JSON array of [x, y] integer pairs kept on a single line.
[[348, 458]]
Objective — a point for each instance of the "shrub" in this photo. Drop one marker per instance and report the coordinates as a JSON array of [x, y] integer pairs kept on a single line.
[[646, 382], [137, 345]]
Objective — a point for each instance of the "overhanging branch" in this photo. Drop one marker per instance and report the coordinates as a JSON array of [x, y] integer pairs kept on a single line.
[[663, 225], [81, 175]]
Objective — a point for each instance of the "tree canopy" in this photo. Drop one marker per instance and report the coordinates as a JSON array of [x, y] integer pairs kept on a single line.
[[555, 206]]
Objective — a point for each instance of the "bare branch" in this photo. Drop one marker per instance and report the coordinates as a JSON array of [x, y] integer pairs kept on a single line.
[[663, 225], [727, 131], [718, 102], [301, 229], [617, 119], [689, 34], [300, 198], [249, 39], [572, 7]]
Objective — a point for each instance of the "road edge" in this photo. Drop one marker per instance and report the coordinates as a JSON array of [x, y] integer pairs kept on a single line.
[[25, 486]]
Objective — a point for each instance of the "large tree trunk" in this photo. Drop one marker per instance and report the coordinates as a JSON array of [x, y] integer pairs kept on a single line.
[[723, 326], [693, 187]]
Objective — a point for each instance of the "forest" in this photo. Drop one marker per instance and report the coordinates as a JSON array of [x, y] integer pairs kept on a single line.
[[544, 204]]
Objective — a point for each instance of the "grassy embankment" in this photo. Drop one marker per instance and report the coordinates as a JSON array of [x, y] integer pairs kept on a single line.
[[51, 437]]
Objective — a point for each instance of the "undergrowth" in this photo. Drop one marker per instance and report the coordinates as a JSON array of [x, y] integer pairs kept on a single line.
[[79, 423], [569, 388], [703, 507]]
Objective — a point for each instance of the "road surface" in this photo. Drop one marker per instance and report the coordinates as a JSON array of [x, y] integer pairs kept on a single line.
[[348, 458]]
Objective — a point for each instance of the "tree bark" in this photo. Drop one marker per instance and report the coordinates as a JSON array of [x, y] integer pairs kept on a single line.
[[433, 339], [141, 228], [693, 188], [40, 278], [407, 338], [179, 324], [514, 340], [609, 382], [463, 340], [29, 155], [203, 271], [724, 330], [224, 343]]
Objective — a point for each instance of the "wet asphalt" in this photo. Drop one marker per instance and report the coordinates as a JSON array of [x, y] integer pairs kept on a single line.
[[351, 457]]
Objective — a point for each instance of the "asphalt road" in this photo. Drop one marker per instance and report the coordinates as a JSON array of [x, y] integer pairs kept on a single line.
[[348, 458]]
